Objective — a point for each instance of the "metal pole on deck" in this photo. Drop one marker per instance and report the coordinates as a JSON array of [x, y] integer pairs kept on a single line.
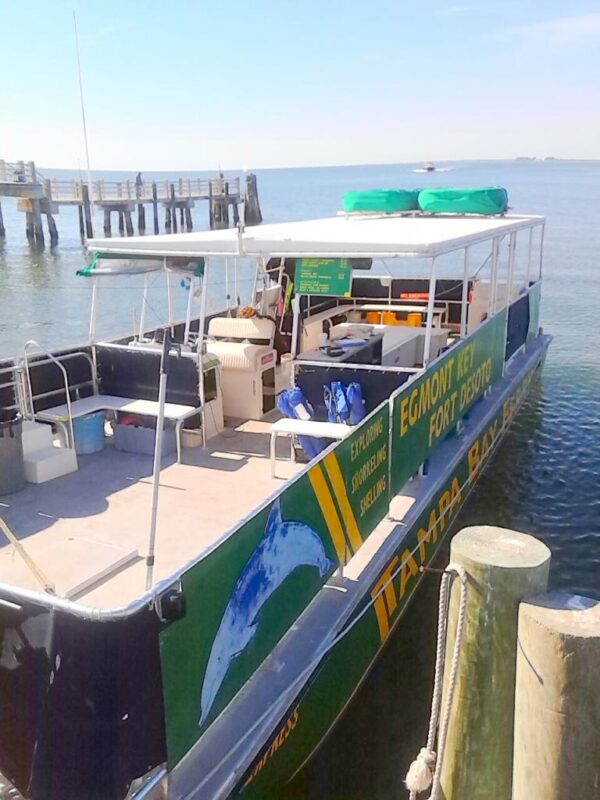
[[162, 393], [85, 139]]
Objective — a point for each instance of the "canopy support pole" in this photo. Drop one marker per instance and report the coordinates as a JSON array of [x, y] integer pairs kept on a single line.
[[295, 325], [162, 393], [529, 255], [188, 312], [201, 345], [169, 297], [512, 246], [493, 278], [93, 310], [143, 311], [227, 293], [541, 250], [465, 296], [430, 307]]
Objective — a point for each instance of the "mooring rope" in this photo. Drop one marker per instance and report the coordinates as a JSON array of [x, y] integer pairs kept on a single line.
[[425, 770]]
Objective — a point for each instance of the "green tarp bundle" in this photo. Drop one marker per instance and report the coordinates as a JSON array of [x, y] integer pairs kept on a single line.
[[486, 200], [383, 200]]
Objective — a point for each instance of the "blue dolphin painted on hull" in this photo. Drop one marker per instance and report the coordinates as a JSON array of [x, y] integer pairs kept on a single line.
[[284, 547]]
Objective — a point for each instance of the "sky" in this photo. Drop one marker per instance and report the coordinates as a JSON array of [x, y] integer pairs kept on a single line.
[[193, 84]]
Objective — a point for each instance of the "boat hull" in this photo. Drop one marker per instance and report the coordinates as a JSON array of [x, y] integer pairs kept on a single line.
[[321, 701]]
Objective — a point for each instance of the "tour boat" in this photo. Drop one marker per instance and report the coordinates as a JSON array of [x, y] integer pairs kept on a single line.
[[193, 626]]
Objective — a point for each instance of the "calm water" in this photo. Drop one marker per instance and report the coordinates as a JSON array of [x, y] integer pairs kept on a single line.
[[545, 479]]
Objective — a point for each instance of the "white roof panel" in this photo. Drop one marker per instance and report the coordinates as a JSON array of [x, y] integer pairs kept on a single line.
[[342, 235]]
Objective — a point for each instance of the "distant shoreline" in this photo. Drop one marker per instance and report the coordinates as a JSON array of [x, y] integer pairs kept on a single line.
[[410, 164]]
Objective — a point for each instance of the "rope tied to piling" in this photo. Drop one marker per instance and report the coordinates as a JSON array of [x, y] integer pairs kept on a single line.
[[426, 769]]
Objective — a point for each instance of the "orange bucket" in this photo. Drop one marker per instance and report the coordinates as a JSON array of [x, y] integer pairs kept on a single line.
[[373, 317], [414, 318], [389, 318]]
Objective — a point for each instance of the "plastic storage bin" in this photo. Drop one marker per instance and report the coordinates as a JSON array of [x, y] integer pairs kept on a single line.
[[139, 439], [89, 433], [12, 467]]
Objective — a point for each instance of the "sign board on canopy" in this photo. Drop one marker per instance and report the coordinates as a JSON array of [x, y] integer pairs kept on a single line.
[[329, 276]]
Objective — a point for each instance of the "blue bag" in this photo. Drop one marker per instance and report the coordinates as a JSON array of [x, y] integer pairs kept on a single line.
[[293, 404], [356, 403]]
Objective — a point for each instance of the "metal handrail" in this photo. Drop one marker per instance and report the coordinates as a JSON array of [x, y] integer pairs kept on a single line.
[[33, 343]]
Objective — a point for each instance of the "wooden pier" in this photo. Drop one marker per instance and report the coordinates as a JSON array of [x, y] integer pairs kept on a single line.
[[37, 196]]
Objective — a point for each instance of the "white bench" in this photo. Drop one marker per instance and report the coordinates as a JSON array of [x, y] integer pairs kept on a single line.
[[108, 402], [299, 427]]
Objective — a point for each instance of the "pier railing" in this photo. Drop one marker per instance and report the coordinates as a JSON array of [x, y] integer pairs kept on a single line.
[[19, 172], [182, 188], [71, 191]]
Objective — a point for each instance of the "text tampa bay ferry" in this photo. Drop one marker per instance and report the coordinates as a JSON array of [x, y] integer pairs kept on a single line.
[[194, 629]]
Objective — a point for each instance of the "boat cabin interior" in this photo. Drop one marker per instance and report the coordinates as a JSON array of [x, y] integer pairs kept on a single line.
[[82, 514]]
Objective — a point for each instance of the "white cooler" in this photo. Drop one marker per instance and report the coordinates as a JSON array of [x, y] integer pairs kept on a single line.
[[247, 368]]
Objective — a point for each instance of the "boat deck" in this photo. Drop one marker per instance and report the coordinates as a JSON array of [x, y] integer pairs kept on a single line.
[[80, 527]]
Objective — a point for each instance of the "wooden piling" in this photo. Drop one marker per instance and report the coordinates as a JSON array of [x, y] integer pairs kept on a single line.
[[52, 229], [2, 228], [188, 219], [107, 230], [87, 213], [121, 223], [173, 209], [503, 567], [81, 223], [167, 218], [155, 208], [38, 229], [29, 226], [128, 222], [181, 217], [141, 218], [557, 700], [252, 212]]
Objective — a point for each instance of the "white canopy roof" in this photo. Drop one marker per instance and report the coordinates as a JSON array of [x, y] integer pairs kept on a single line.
[[352, 235]]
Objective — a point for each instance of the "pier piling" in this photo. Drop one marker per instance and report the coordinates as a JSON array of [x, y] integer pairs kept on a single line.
[[503, 567], [52, 229], [557, 702], [107, 230], [155, 207], [253, 214], [128, 222], [81, 223], [141, 218], [2, 228], [173, 208], [121, 223], [38, 230], [29, 232], [87, 213]]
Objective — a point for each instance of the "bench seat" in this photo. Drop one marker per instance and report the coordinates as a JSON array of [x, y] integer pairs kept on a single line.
[[108, 402], [299, 427]]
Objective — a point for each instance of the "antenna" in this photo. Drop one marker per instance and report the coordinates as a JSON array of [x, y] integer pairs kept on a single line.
[[85, 139]]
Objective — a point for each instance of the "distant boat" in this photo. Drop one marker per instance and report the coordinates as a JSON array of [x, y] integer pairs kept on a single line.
[[428, 166]]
